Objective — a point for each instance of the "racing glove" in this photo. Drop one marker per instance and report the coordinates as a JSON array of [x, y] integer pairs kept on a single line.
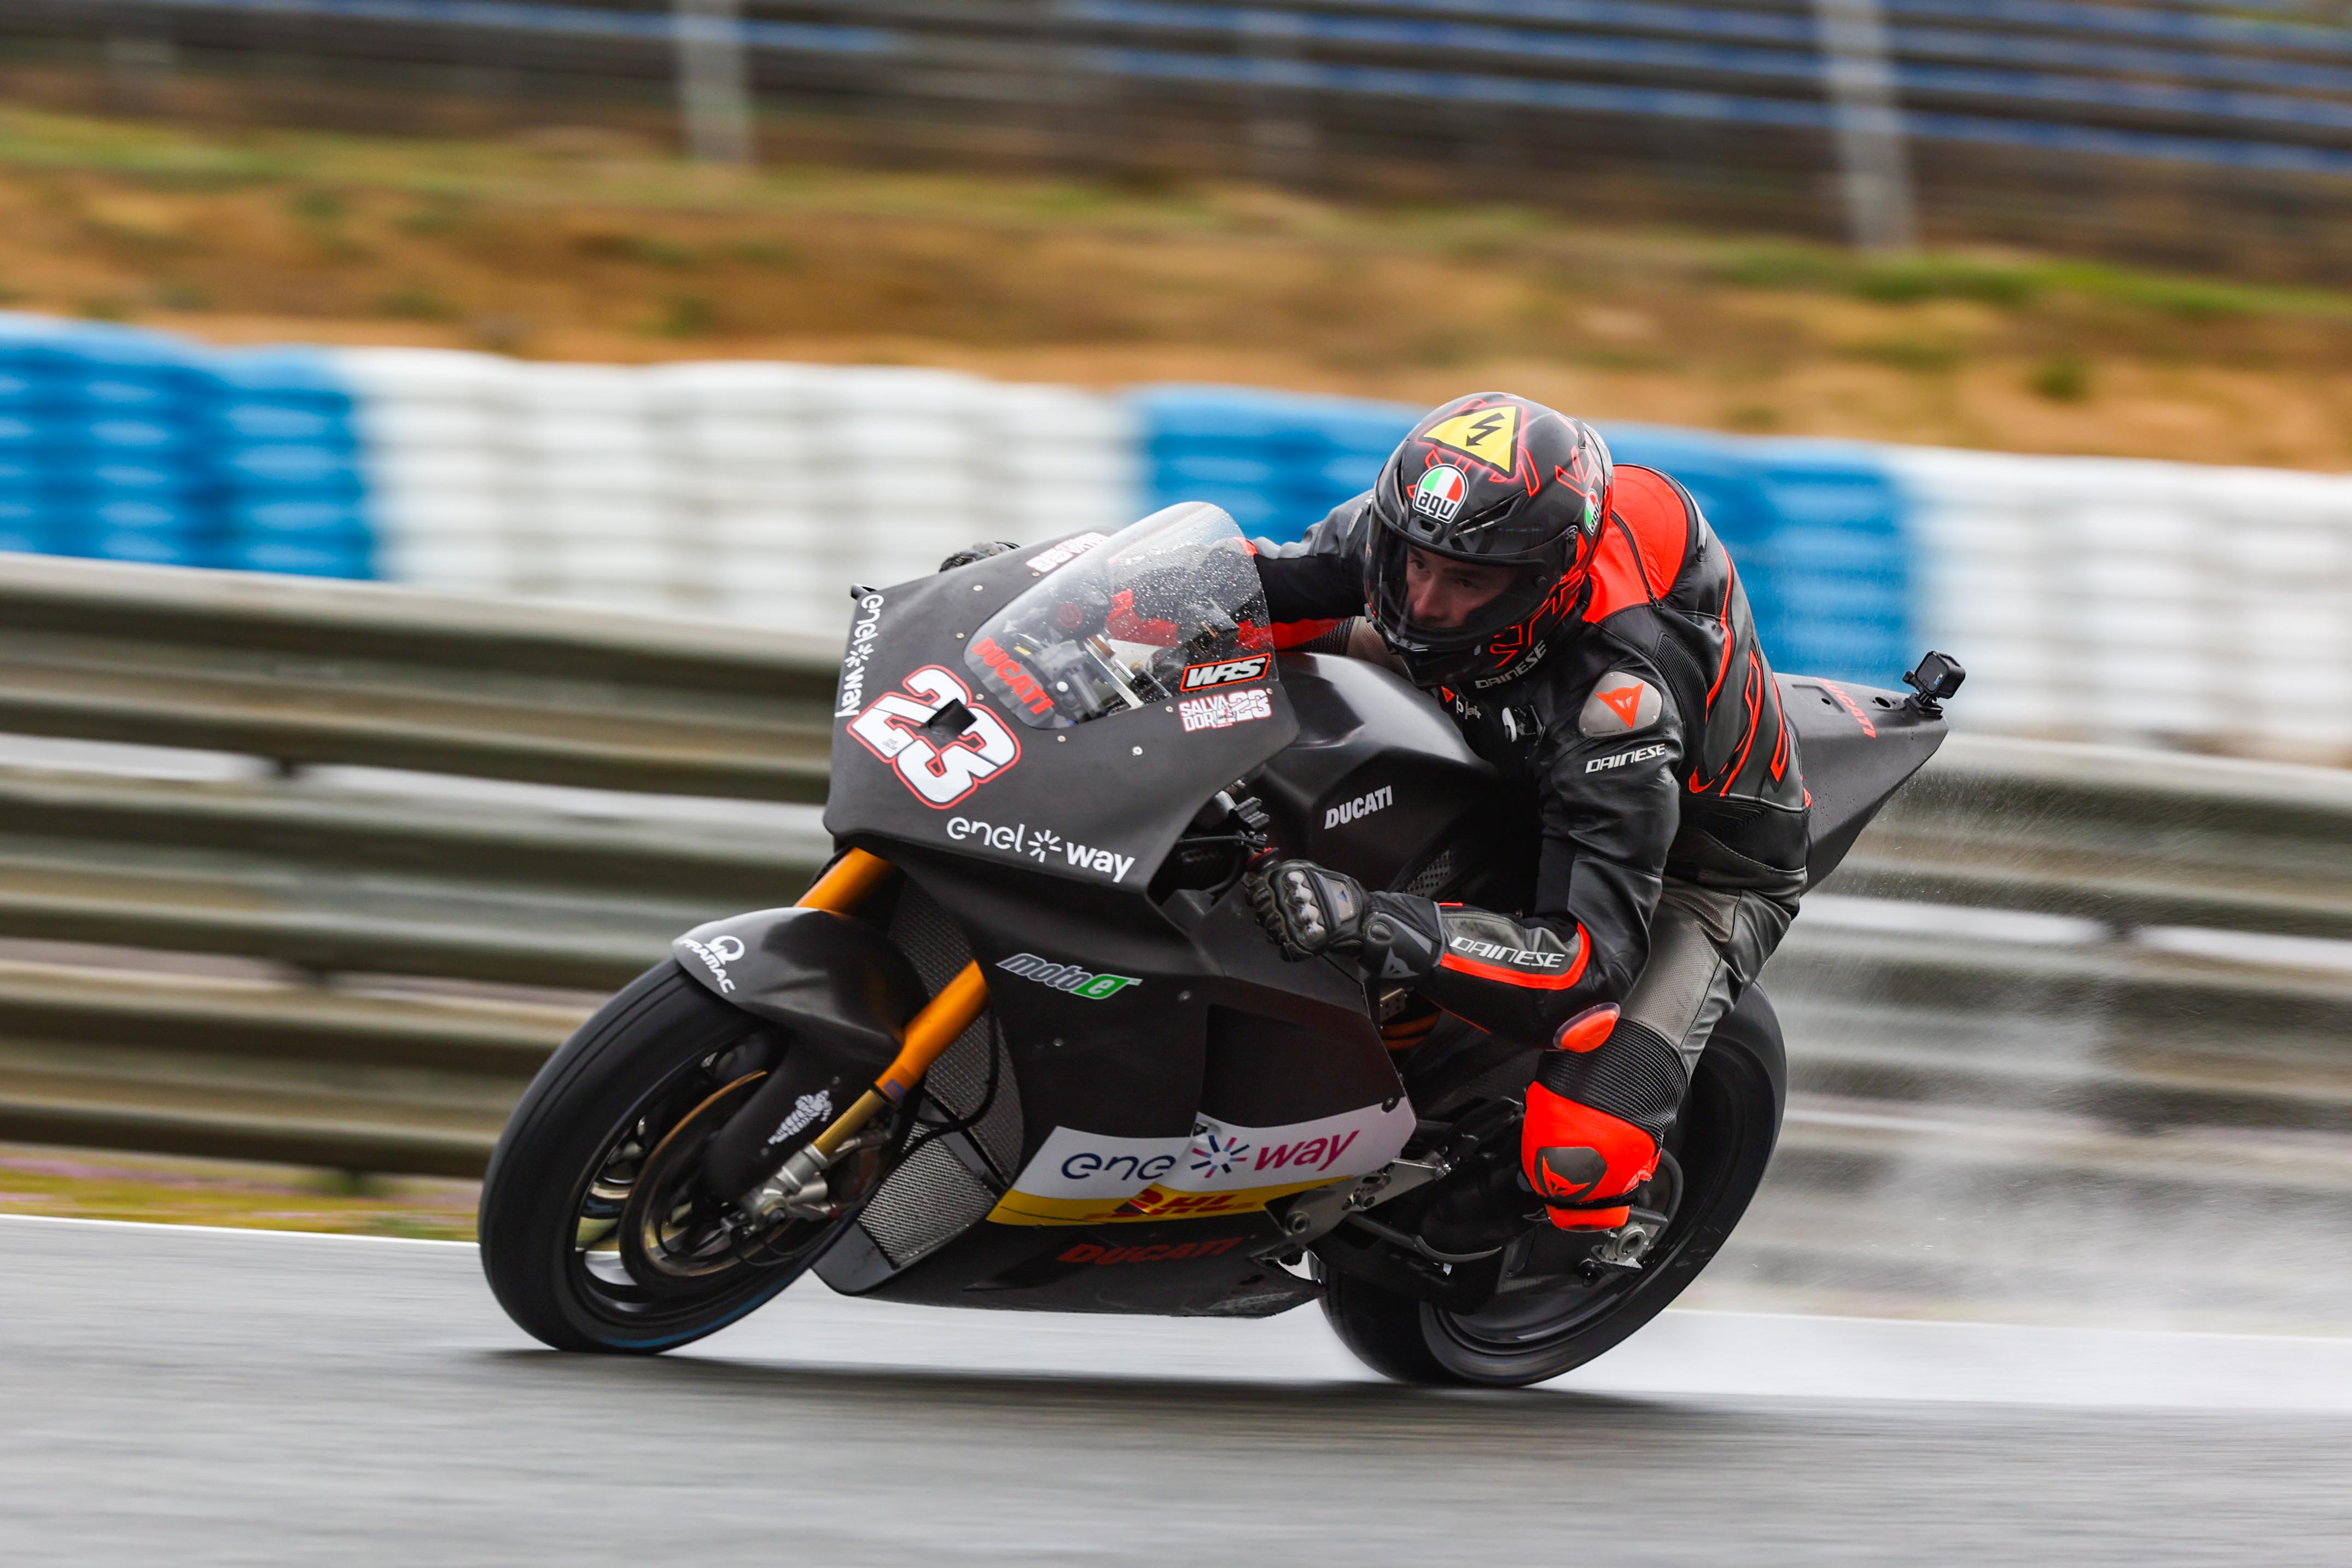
[[1604, 1095], [1311, 911], [979, 551]]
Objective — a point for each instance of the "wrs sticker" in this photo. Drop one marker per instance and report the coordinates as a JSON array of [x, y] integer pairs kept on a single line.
[[940, 763], [1223, 710], [1224, 671]]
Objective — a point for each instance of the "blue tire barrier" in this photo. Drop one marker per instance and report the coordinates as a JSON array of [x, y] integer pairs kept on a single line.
[[127, 445], [1816, 527]]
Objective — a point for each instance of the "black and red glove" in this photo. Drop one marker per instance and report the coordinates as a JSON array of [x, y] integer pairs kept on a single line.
[[1311, 910]]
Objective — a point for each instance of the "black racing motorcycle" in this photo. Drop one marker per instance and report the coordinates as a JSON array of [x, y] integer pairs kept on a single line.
[[1025, 1045]]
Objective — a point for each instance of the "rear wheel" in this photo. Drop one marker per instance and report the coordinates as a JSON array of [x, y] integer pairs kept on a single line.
[[595, 1232], [1548, 1325]]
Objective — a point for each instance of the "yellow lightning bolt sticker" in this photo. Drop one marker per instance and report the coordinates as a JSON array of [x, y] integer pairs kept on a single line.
[[1489, 435]]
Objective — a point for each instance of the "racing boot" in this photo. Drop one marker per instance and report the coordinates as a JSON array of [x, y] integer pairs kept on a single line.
[[1603, 1096]]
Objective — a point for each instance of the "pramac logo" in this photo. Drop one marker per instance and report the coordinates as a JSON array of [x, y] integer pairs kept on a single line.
[[940, 763]]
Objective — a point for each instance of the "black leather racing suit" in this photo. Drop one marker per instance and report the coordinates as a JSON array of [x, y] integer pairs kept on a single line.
[[1669, 796]]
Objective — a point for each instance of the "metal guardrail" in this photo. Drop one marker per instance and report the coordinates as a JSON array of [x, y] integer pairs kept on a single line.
[[366, 1037], [304, 673], [2130, 838]]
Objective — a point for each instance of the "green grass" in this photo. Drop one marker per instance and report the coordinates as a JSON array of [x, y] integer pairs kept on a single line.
[[2014, 285], [94, 1184]]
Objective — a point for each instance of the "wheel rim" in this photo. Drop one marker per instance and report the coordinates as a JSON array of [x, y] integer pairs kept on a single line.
[[641, 1151], [675, 1237]]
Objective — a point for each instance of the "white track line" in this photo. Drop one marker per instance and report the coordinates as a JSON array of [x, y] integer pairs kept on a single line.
[[223, 1231]]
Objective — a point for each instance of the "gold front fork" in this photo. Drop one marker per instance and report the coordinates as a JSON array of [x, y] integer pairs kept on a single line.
[[929, 1033]]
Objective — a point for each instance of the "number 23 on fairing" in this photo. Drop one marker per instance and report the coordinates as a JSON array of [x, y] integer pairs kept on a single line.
[[941, 770]]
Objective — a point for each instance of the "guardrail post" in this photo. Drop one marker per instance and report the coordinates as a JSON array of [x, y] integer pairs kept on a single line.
[[140, 67], [714, 95], [1873, 163]]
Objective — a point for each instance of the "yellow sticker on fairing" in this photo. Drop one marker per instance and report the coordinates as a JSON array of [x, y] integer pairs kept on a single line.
[[1489, 435]]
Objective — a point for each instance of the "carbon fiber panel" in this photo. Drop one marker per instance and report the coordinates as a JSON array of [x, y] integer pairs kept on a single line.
[[958, 1080], [1430, 879], [928, 1201]]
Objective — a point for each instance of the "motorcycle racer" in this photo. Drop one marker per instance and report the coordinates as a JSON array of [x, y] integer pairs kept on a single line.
[[1588, 632]]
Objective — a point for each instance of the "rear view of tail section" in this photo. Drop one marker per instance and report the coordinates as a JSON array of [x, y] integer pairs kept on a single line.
[[1859, 745]]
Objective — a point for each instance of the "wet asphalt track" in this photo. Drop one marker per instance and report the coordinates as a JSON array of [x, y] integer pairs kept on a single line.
[[179, 1397]]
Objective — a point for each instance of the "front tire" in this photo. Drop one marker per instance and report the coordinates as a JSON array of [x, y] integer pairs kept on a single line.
[[1724, 1140], [561, 1175]]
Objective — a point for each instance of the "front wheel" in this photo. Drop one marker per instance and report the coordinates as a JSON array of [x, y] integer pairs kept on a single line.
[[1544, 1327], [594, 1234]]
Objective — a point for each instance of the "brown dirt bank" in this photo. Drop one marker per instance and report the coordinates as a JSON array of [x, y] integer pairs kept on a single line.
[[589, 246]]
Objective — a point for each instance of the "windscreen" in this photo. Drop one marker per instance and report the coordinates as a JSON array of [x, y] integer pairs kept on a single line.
[[1170, 607]]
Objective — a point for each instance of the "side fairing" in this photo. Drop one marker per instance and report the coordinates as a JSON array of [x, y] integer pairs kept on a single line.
[[1379, 780]]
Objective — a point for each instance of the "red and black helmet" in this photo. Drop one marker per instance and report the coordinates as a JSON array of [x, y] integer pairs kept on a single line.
[[1499, 481]]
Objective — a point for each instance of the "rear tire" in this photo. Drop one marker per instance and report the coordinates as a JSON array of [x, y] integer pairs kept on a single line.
[[624, 1079], [1724, 1140], [1381, 1329]]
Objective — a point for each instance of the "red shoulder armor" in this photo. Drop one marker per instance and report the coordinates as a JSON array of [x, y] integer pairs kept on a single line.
[[1651, 509]]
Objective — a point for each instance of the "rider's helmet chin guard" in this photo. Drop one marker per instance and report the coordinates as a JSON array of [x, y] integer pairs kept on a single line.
[[1494, 480]]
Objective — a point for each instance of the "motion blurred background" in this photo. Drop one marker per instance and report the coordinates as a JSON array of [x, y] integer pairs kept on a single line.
[[2016, 328]]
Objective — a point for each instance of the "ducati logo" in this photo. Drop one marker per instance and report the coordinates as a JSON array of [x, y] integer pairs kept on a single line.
[[1853, 709]]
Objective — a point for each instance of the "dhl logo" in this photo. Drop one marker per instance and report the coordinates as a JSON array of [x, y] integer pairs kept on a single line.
[[1154, 1202]]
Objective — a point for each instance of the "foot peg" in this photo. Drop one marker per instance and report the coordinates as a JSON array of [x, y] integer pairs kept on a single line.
[[1622, 1249]]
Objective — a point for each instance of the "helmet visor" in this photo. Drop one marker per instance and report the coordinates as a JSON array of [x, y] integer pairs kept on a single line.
[[1432, 603]]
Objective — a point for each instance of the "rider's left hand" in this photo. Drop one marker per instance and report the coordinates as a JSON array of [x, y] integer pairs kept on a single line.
[[1312, 910]]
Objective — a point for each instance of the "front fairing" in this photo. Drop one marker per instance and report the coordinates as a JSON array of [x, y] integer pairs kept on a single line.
[[1098, 802]]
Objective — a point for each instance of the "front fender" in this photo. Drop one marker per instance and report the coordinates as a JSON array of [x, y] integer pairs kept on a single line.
[[818, 973]]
